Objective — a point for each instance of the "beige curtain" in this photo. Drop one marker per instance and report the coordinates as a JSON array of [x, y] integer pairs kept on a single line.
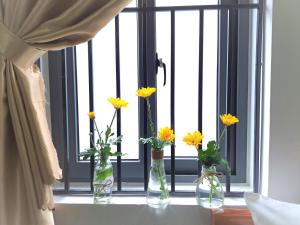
[[28, 159]]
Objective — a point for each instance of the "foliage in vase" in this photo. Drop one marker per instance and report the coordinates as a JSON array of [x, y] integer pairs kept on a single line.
[[210, 157], [101, 148], [166, 135], [158, 141]]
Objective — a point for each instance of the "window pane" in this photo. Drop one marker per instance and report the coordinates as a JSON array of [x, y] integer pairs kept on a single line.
[[186, 78], [210, 56], [105, 83], [129, 81], [187, 75], [185, 2], [163, 32], [83, 96], [104, 76]]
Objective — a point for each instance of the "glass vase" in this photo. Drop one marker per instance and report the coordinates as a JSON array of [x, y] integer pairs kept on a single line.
[[209, 190], [157, 193], [103, 181]]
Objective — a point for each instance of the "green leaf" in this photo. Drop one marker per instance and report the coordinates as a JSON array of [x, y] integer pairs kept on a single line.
[[226, 165], [210, 156], [106, 150], [88, 153], [101, 175], [116, 154], [211, 145], [115, 141], [146, 140], [98, 142], [107, 132]]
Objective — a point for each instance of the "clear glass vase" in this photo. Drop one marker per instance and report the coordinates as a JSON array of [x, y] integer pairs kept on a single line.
[[209, 190], [157, 193], [103, 181]]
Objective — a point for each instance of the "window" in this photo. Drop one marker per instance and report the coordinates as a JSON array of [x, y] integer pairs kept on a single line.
[[210, 51]]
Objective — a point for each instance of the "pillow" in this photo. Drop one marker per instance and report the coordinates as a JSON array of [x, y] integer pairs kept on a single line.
[[267, 211]]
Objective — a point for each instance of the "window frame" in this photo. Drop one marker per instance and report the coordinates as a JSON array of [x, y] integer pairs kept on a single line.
[[63, 119]]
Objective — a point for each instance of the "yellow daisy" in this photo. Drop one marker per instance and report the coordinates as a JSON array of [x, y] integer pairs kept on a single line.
[[166, 134], [228, 119], [91, 115], [118, 102], [194, 139], [145, 92]]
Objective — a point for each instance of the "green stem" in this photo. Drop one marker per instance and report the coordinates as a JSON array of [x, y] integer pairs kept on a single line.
[[211, 180], [97, 128], [160, 177], [199, 152], [223, 133], [162, 184], [103, 160], [150, 117], [111, 123], [114, 116], [104, 156], [151, 124], [92, 139]]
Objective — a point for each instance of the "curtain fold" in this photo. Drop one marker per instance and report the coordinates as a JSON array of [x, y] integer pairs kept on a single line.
[[28, 159]]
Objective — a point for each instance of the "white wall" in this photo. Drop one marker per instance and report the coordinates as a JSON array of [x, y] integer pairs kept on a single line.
[[284, 152]]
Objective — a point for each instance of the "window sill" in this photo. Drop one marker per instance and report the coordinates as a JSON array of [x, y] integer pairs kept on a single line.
[[189, 201], [78, 210]]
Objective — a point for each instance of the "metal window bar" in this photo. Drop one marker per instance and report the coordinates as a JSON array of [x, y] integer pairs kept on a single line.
[[144, 70], [200, 81], [76, 116], [173, 98], [91, 109], [66, 121], [232, 73], [118, 93]]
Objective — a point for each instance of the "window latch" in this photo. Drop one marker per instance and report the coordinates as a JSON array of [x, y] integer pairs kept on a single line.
[[161, 64]]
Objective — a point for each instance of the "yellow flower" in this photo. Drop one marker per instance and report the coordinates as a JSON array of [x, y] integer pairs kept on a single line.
[[228, 119], [118, 102], [91, 115], [194, 139], [166, 134], [145, 92]]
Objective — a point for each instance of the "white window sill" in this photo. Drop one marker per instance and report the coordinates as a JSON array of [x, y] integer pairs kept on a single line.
[[190, 201], [80, 210]]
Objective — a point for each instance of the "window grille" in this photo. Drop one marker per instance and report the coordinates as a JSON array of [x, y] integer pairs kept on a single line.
[[65, 120]]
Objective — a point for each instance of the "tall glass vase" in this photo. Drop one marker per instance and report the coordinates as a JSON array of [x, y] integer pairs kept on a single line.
[[103, 181], [209, 190], [157, 193]]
